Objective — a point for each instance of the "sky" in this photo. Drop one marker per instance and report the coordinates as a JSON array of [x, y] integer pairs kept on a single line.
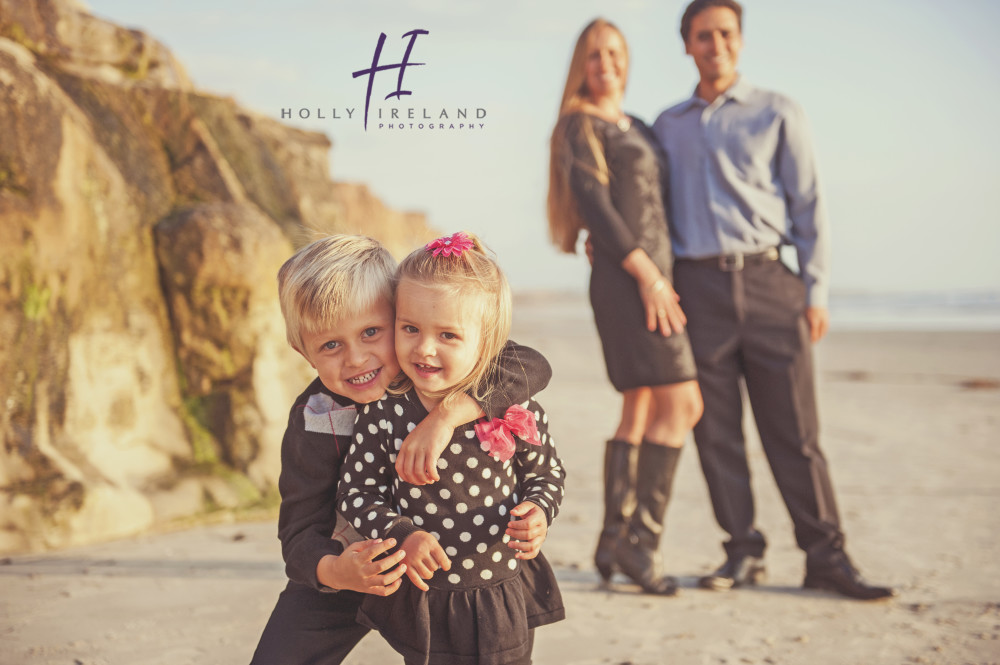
[[901, 98]]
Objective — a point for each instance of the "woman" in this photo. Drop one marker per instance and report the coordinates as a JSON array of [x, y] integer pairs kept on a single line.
[[606, 175]]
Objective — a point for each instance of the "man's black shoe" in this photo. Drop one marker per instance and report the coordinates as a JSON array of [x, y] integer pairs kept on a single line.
[[843, 578], [735, 572]]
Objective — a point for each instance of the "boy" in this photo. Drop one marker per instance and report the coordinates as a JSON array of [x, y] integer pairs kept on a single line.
[[336, 299], [742, 168]]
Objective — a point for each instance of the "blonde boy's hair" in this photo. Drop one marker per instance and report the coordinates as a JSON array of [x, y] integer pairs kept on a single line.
[[474, 277], [336, 277]]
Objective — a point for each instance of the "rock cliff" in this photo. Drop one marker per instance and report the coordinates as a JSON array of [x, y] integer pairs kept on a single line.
[[144, 375]]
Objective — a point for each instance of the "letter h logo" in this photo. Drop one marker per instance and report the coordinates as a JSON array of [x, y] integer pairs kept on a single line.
[[412, 34]]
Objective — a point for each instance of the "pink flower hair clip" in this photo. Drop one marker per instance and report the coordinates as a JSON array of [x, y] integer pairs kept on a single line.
[[452, 245]]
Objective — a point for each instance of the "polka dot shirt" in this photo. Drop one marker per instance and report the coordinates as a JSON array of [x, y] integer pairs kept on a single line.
[[467, 510]]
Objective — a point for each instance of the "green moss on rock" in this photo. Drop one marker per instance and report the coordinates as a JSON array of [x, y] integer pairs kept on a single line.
[[36, 302]]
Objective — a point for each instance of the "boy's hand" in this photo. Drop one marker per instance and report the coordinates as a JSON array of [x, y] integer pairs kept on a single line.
[[527, 533], [416, 462], [357, 570], [424, 556], [819, 322]]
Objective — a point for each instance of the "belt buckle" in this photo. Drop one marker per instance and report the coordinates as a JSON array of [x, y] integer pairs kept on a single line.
[[731, 262]]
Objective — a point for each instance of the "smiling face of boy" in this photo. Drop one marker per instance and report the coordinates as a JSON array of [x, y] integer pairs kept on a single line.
[[355, 357], [715, 43]]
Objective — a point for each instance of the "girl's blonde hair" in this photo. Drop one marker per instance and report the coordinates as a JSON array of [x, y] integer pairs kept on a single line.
[[475, 277], [331, 279], [565, 222]]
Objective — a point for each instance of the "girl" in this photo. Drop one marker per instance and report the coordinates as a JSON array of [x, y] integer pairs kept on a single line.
[[336, 298], [605, 176], [475, 596]]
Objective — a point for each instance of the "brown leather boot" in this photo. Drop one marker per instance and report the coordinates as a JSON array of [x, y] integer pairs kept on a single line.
[[619, 501], [637, 555]]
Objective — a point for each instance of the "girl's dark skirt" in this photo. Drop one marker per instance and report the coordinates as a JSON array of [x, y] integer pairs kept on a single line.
[[634, 356], [489, 625]]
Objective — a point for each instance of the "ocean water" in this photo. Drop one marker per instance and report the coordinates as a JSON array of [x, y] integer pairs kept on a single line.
[[945, 311], [957, 310]]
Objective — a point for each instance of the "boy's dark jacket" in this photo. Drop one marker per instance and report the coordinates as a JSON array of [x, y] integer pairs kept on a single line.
[[320, 427]]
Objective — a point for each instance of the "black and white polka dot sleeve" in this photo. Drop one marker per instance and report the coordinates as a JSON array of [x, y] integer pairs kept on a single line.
[[540, 472], [365, 496]]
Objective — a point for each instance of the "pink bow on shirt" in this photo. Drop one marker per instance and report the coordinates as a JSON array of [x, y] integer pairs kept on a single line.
[[495, 435]]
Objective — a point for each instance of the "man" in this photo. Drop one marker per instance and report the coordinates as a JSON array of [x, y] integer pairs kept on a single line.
[[743, 183]]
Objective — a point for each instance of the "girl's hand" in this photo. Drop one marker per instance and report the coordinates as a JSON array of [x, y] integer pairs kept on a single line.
[[357, 570], [424, 556], [662, 308], [527, 533], [658, 297]]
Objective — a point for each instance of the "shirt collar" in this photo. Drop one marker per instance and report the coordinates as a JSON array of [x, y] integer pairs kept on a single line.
[[739, 91]]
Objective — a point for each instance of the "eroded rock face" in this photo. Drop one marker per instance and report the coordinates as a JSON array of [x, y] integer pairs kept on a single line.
[[63, 31], [218, 263], [144, 374], [86, 360]]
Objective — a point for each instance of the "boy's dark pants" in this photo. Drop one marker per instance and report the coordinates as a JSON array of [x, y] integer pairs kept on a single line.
[[750, 324], [308, 627]]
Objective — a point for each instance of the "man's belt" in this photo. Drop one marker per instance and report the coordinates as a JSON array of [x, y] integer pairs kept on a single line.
[[736, 262]]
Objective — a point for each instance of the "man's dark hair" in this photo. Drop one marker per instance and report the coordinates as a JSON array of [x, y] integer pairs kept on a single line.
[[698, 6]]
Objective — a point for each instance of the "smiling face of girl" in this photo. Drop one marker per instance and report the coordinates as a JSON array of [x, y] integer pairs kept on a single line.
[[438, 337], [606, 67]]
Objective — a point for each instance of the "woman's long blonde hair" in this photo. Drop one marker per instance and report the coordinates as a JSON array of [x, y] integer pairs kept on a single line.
[[565, 222], [475, 276]]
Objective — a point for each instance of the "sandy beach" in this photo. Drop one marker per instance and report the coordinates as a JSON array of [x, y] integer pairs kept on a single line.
[[910, 424]]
